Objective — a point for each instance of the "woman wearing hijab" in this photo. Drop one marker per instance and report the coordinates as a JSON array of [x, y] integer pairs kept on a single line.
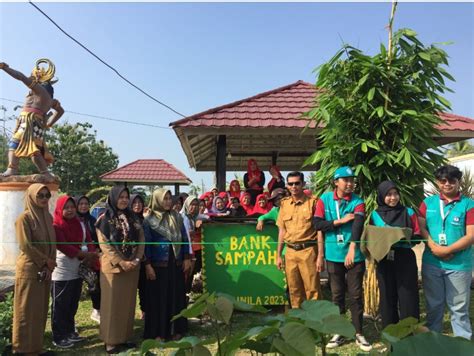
[[208, 198], [277, 180], [34, 265], [118, 230], [85, 217], [167, 264], [245, 202], [234, 189], [262, 206], [397, 273], [219, 208], [254, 180], [192, 224], [74, 245], [137, 206]]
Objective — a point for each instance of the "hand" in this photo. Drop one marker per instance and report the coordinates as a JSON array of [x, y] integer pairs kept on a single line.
[[3, 65], [349, 261], [198, 224], [259, 225], [440, 251], [320, 263], [48, 274], [187, 267], [50, 264], [150, 273], [127, 265], [56, 104], [347, 218], [146, 211], [279, 263]]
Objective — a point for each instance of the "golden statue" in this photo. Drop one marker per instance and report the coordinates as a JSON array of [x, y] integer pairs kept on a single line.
[[35, 118]]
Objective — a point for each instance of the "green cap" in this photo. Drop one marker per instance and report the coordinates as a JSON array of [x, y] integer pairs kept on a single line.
[[344, 172]]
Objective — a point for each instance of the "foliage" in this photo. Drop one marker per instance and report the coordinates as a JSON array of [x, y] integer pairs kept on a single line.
[[25, 167], [292, 334], [410, 337], [459, 148], [194, 189], [380, 114], [6, 317], [98, 195], [79, 157]]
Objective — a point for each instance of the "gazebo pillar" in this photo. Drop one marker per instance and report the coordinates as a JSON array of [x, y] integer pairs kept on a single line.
[[176, 189], [221, 162]]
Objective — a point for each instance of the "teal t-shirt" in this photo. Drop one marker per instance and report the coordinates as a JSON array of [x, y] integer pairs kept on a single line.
[[378, 221], [454, 227], [335, 252]]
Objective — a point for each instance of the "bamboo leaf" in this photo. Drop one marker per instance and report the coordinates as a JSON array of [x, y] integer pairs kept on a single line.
[[370, 95]]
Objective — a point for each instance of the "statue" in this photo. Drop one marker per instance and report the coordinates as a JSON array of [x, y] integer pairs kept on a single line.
[[35, 119]]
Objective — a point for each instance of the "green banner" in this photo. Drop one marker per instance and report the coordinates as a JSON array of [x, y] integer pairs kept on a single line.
[[240, 261]]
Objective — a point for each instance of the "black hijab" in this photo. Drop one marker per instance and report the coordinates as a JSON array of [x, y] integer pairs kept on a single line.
[[119, 225], [393, 216], [130, 205], [77, 199]]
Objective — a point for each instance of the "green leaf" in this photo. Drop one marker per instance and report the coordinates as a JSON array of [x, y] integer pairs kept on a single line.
[[432, 343], [285, 348], [314, 310], [298, 337], [200, 350], [242, 306], [148, 345], [221, 310], [364, 147], [264, 347], [444, 101], [379, 110], [370, 94], [410, 112], [425, 56], [400, 330], [333, 324], [192, 311]]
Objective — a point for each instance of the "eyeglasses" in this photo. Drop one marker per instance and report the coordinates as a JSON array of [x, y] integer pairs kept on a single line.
[[43, 195], [293, 183], [448, 180]]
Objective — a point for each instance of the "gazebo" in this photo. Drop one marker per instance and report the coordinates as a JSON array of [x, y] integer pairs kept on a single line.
[[148, 172], [269, 128]]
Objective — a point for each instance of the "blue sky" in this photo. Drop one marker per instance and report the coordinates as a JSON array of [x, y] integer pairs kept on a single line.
[[197, 56]]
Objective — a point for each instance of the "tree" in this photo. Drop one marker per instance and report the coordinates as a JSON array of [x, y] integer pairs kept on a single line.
[[380, 114], [194, 190], [459, 148], [79, 157]]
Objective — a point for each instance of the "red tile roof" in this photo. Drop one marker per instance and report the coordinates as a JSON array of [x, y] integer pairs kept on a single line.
[[153, 171], [282, 107]]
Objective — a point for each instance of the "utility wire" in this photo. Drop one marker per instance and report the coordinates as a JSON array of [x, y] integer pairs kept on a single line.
[[102, 117], [105, 63]]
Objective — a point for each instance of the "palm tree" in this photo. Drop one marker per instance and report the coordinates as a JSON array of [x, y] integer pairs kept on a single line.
[[460, 148]]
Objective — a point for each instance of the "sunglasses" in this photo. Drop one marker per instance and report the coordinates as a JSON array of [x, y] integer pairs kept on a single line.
[[43, 195], [448, 180], [293, 183]]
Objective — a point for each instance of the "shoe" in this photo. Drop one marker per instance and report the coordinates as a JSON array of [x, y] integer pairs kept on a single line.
[[336, 341], [128, 345], [362, 342], [115, 350], [63, 344], [74, 337], [95, 315]]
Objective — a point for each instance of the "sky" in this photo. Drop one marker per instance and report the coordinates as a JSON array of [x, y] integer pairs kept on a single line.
[[196, 56]]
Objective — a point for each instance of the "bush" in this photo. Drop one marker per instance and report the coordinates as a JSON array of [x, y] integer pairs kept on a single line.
[[6, 319]]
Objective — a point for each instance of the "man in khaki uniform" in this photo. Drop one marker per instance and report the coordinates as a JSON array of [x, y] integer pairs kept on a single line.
[[304, 257]]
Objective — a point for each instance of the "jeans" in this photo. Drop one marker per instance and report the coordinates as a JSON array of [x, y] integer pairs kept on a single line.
[[448, 287]]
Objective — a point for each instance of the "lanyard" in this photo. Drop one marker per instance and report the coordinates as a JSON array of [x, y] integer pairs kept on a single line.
[[441, 212], [336, 202]]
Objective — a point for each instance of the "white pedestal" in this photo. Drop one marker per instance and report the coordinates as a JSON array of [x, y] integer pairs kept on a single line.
[[12, 196]]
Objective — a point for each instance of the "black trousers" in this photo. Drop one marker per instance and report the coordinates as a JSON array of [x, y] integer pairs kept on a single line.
[[398, 285], [337, 281], [65, 301], [95, 295], [141, 287]]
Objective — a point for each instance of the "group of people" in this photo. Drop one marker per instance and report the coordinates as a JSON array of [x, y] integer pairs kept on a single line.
[[326, 233], [58, 252]]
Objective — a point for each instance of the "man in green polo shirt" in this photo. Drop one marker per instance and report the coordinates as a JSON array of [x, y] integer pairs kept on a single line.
[[447, 222]]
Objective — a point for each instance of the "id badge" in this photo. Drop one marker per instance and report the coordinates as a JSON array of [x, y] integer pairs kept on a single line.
[[442, 239], [340, 239], [84, 248], [391, 255]]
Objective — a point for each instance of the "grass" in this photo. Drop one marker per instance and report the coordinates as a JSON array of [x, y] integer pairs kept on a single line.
[[240, 322]]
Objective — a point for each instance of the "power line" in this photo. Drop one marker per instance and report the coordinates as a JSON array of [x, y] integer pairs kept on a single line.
[[103, 117], [105, 63]]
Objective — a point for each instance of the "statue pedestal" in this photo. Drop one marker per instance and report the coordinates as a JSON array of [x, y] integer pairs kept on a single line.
[[12, 194]]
